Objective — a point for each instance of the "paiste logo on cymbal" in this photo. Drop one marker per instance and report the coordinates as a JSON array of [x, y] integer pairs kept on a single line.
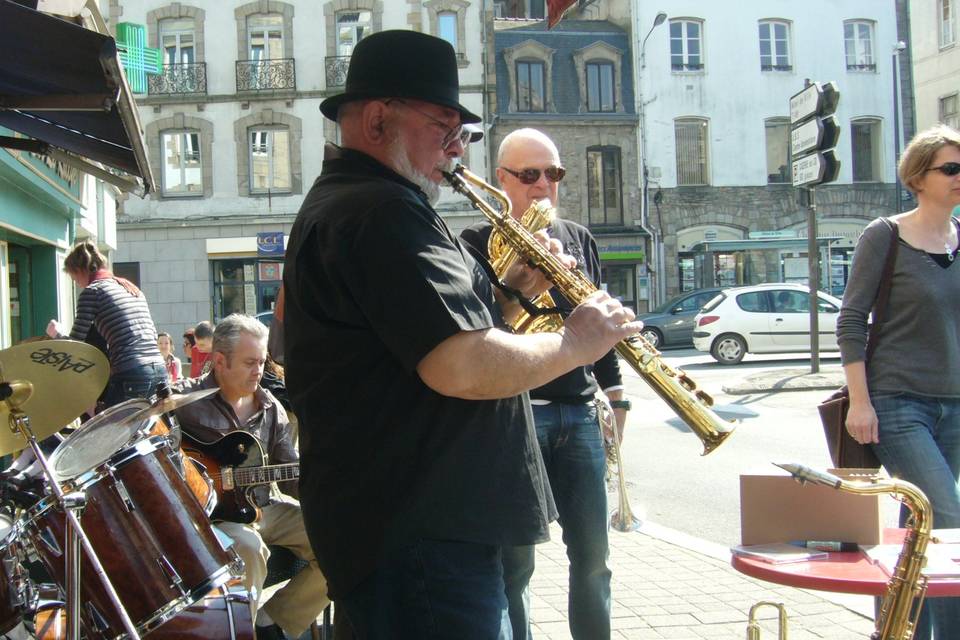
[[60, 360]]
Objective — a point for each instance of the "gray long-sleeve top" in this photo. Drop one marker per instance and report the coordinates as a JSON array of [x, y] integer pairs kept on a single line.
[[918, 349]]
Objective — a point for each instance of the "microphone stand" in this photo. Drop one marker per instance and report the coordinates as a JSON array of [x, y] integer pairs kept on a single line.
[[14, 394]]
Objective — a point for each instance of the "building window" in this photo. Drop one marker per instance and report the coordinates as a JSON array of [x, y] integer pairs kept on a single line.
[[182, 167], [265, 37], [530, 86], [247, 286], [686, 45], [177, 41], [447, 27], [269, 161], [620, 280], [866, 147], [774, 45], [600, 93], [128, 270], [858, 45], [527, 9], [778, 151], [691, 140], [352, 26], [604, 186], [948, 23], [948, 111]]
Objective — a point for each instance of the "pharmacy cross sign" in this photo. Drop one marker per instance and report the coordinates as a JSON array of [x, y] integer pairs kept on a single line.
[[137, 58]]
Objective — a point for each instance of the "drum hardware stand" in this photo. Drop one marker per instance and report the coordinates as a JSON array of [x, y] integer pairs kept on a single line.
[[14, 394]]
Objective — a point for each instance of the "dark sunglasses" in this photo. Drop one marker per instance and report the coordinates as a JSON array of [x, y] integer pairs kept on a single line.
[[947, 168], [529, 176]]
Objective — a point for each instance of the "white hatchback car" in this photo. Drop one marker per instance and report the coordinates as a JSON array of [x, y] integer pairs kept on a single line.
[[764, 318]]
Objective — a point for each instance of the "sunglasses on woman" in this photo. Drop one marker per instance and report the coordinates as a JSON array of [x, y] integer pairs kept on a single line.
[[947, 168], [529, 176]]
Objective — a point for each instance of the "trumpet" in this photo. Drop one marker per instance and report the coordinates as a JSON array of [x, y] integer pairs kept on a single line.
[[674, 387], [622, 519]]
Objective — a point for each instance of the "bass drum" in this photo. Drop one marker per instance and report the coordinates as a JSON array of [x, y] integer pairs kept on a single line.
[[16, 590], [156, 544], [221, 615]]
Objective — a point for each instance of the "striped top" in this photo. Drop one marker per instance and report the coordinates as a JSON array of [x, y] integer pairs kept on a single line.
[[122, 319]]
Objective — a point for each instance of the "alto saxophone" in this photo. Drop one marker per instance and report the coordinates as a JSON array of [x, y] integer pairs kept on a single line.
[[907, 587], [674, 387]]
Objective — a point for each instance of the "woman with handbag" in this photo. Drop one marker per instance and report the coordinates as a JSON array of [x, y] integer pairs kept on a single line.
[[906, 400]]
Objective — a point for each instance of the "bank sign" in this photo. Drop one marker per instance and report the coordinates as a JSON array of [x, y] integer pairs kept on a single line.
[[270, 243]]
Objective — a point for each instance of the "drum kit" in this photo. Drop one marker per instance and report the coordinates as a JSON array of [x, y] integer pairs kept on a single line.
[[114, 538]]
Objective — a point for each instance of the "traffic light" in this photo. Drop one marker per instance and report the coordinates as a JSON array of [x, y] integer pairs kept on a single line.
[[813, 134]]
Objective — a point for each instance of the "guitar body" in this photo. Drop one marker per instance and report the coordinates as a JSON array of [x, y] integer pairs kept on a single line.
[[236, 450]]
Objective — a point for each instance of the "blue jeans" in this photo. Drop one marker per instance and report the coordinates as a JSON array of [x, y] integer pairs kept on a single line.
[[434, 589], [920, 443], [572, 449], [136, 382]]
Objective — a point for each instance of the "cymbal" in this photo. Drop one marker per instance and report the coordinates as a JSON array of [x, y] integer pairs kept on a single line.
[[165, 405], [67, 378]]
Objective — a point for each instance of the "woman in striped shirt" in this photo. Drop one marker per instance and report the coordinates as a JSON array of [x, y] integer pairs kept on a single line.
[[117, 310]]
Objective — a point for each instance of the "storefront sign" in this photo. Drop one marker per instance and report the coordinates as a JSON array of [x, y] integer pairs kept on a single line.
[[764, 235], [270, 243]]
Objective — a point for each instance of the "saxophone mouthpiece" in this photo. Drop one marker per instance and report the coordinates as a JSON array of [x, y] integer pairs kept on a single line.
[[806, 474]]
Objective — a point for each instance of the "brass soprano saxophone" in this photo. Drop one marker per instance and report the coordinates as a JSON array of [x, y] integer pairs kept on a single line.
[[907, 587], [674, 387]]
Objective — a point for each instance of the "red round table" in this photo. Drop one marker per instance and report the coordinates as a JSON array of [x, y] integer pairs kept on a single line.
[[845, 572]]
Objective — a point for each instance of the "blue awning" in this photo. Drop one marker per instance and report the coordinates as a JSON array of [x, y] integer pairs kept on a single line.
[[62, 85]]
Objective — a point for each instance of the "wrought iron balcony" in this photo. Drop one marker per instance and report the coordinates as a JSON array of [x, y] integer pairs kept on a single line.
[[266, 75], [776, 67], [336, 67], [867, 66], [179, 79]]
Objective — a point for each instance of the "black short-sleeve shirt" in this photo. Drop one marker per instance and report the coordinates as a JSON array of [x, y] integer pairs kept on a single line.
[[374, 280]]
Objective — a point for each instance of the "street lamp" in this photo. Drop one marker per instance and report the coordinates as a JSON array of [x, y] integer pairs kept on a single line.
[[897, 48], [655, 236]]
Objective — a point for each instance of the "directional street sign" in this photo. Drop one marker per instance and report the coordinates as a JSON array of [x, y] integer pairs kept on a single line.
[[814, 100], [815, 168], [814, 134]]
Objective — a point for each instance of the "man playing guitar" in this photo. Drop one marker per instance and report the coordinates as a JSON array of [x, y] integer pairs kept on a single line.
[[242, 405]]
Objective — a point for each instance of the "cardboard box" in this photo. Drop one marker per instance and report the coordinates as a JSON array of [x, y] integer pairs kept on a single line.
[[777, 508]]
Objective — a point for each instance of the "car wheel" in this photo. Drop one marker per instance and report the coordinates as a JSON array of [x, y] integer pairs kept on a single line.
[[728, 349], [652, 336]]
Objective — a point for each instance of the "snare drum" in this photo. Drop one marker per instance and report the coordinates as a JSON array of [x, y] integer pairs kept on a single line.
[[110, 431], [153, 539]]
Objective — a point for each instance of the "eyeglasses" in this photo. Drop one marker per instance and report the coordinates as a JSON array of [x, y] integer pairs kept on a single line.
[[529, 176], [453, 133], [947, 168]]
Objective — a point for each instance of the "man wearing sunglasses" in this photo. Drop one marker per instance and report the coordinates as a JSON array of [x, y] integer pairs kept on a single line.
[[418, 457], [529, 170]]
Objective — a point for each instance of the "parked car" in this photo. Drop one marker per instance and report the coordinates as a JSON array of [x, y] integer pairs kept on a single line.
[[266, 317], [766, 318], [672, 322]]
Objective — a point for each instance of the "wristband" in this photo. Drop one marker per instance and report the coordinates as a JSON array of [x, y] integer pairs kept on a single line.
[[621, 404]]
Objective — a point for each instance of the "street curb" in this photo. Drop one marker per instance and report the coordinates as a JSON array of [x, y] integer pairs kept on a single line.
[[787, 380]]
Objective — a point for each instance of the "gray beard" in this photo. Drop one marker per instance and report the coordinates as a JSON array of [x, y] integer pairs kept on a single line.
[[403, 166]]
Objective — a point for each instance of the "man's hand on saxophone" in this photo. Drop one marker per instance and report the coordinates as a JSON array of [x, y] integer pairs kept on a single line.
[[595, 324], [530, 281]]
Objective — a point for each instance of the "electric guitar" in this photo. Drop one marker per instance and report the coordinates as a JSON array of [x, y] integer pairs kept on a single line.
[[236, 463]]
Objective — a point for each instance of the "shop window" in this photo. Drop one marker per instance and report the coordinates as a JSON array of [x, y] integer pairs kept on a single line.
[[620, 282], [248, 286]]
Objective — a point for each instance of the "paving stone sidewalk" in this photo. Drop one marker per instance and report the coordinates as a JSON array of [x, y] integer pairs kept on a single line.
[[667, 585]]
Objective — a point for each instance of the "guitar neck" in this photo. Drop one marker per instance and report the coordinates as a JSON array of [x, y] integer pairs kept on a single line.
[[249, 476]]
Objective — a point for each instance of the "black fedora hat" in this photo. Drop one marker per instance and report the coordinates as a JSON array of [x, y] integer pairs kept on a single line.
[[402, 64]]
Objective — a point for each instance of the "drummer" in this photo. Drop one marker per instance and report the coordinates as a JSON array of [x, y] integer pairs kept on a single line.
[[238, 357], [117, 309]]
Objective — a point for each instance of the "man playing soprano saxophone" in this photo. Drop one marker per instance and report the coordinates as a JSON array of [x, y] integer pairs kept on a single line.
[[566, 418], [418, 459]]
